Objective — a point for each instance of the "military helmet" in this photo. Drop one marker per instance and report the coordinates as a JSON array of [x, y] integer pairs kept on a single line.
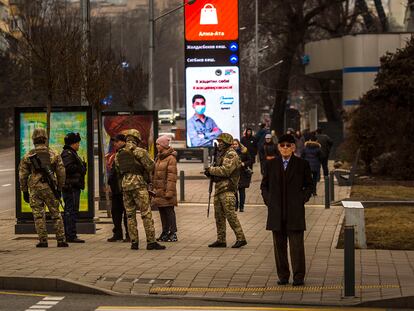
[[39, 133], [134, 133], [226, 138]]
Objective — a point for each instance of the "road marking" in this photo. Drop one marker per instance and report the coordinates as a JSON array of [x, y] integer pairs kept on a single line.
[[46, 303], [195, 308], [7, 170], [155, 290], [6, 185], [22, 294]]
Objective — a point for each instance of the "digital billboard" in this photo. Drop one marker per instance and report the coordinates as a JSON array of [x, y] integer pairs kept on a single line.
[[208, 20], [212, 99], [211, 71], [62, 121]]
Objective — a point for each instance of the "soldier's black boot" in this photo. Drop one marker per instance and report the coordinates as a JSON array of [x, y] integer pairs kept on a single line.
[[134, 245], [155, 246], [42, 244], [62, 244], [218, 244], [239, 244]]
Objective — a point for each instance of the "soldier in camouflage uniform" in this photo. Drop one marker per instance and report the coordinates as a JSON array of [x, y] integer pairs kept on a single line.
[[135, 166], [226, 174], [38, 193]]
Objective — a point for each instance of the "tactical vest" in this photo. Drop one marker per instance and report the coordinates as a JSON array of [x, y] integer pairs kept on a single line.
[[128, 163], [44, 157], [232, 186]]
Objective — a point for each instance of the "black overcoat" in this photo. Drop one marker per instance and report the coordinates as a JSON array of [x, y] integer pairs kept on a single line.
[[286, 204]]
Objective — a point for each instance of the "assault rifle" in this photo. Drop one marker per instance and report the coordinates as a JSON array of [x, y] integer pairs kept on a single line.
[[210, 186], [47, 175]]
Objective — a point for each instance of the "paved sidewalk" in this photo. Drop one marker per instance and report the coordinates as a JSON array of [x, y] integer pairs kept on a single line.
[[189, 268]]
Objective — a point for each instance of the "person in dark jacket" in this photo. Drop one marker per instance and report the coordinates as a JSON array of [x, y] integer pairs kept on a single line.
[[286, 187], [117, 209], [326, 145], [245, 173], [75, 182], [267, 152], [250, 142], [312, 154]]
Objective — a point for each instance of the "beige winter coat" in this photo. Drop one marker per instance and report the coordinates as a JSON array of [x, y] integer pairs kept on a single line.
[[165, 179]]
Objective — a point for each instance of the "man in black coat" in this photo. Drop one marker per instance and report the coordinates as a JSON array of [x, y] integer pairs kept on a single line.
[[75, 169], [118, 211], [286, 187]]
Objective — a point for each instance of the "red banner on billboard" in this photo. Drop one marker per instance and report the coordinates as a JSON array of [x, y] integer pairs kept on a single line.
[[207, 20]]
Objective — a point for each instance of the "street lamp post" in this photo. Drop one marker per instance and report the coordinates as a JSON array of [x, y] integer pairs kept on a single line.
[[257, 57], [151, 46]]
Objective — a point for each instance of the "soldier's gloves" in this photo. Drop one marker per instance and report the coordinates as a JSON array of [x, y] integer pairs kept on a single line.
[[207, 172], [26, 196]]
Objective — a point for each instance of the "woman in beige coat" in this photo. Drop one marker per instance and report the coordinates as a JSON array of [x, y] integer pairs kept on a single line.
[[164, 185]]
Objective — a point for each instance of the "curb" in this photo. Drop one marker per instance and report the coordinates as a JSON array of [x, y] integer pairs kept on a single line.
[[46, 284]]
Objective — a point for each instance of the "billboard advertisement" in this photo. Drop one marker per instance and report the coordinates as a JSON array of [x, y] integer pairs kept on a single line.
[[212, 20], [62, 121], [212, 104]]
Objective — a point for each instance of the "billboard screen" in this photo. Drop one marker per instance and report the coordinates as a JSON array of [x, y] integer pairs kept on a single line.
[[208, 20], [62, 121], [212, 104]]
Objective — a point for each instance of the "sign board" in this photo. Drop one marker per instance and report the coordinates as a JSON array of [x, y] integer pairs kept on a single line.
[[212, 72]]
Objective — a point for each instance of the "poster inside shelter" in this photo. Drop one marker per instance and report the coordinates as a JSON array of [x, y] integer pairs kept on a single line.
[[61, 123]]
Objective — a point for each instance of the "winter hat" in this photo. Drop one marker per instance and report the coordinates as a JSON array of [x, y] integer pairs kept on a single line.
[[164, 141], [72, 138], [287, 138], [268, 136]]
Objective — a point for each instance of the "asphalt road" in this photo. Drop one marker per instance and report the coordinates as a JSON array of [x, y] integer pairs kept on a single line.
[[16, 301], [7, 184]]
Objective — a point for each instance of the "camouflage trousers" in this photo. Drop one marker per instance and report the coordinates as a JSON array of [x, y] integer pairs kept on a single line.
[[139, 199], [224, 208], [38, 200]]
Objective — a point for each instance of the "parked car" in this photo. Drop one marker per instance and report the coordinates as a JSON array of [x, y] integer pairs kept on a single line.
[[166, 116]]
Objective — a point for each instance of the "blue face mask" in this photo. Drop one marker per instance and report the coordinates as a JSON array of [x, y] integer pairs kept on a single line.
[[200, 109]]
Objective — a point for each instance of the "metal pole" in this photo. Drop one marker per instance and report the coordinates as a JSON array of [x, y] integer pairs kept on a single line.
[[349, 261], [177, 90], [205, 158], [182, 198], [257, 59], [171, 90], [151, 55], [332, 186], [327, 201]]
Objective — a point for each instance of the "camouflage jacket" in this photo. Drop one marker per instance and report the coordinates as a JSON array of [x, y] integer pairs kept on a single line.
[[31, 180], [136, 181], [226, 172]]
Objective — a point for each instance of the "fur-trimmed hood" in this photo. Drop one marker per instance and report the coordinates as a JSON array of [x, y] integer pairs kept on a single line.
[[312, 144]]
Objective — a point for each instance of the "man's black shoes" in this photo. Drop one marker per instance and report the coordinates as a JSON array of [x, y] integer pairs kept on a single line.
[[239, 244], [298, 283], [114, 239], [218, 244], [62, 244], [134, 245], [75, 240], [42, 244], [283, 282], [155, 246]]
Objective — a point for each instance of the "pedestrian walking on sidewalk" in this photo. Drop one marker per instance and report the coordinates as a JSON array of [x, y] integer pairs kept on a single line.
[[114, 181], [250, 142], [164, 183], [136, 166], [245, 174], [267, 152], [286, 186], [75, 182], [326, 145], [312, 154], [37, 191], [225, 175]]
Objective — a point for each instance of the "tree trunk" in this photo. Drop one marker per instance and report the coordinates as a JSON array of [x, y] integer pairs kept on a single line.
[[329, 106], [294, 40]]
